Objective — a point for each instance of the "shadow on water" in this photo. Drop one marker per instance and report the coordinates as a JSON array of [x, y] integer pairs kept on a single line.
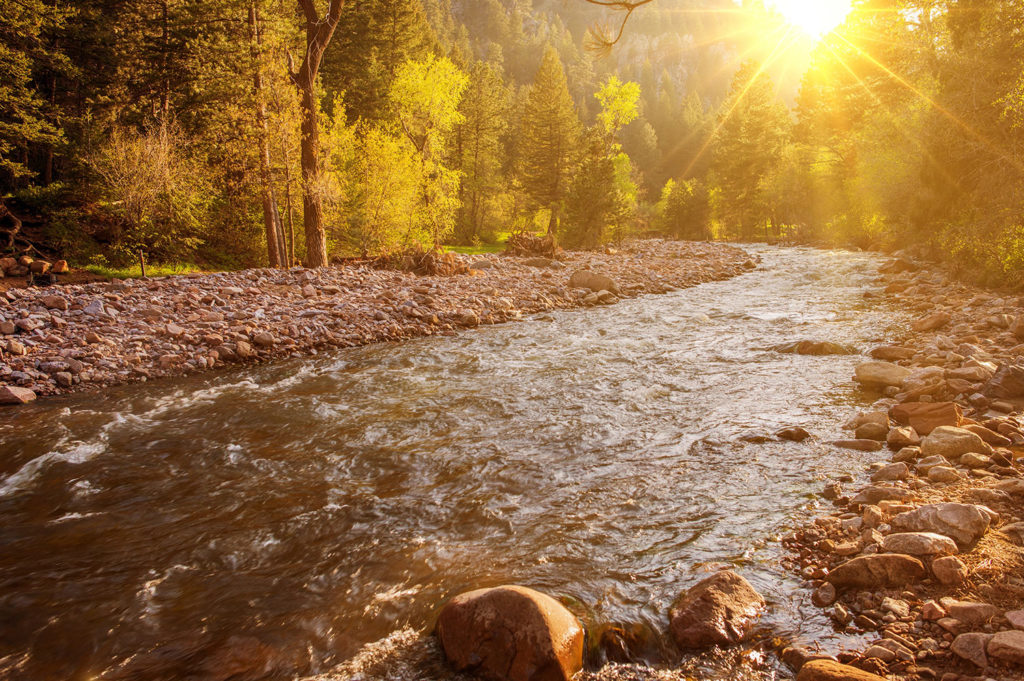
[[281, 520]]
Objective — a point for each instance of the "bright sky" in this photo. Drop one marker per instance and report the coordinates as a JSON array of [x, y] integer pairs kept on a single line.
[[814, 17]]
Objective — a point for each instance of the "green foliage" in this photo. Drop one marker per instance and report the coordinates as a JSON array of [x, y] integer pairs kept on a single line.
[[150, 182], [684, 210], [548, 132]]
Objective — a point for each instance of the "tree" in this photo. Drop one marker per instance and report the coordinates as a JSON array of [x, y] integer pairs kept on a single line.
[[318, 35], [752, 133], [548, 132], [426, 97], [478, 146], [684, 210]]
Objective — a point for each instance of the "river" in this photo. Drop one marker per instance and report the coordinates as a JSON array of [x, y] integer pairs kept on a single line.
[[295, 514]]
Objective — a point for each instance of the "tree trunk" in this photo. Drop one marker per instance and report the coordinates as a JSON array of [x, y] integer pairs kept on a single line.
[[318, 35], [270, 219]]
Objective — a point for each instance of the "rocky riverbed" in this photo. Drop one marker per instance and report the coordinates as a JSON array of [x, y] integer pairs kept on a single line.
[[928, 559], [59, 339]]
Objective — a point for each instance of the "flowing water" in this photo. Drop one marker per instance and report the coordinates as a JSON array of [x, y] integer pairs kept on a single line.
[[277, 521]]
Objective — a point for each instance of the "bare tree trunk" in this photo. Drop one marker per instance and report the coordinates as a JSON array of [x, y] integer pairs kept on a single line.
[[318, 35], [270, 217]]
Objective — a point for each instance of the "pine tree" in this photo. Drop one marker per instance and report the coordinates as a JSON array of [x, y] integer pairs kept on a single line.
[[751, 136], [548, 134]]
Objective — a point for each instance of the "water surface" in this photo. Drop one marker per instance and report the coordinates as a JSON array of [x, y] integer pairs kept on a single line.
[[295, 514]]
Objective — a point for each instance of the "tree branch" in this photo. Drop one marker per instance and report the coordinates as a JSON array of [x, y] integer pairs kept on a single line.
[[603, 39]]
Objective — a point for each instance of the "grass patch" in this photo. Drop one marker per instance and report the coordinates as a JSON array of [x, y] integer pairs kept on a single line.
[[135, 271], [500, 241]]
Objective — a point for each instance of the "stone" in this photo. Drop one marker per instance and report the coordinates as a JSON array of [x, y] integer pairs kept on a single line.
[[879, 417], [793, 434], [896, 606], [830, 670], [511, 633], [825, 595], [971, 647], [949, 570], [1007, 383], [944, 474], [593, 281], [12, 394], [972, 460], [932, 611], [60, 267], [924, 417], [64, 379], [907, 454], [890, 472], [881, 374], [963, 523], [795, 657], [919, 544], [875, 494], [972, 614], [263, 339], [952, 443], [54, 303], [872, 431], [244, 350], [1007, 646], [931, 322], [990, 437], [873, 571], [905, 436], [892, 353], [1014, 532], [39, 267], [174, 330], [8, 328], [718, 610], [1015, 618]]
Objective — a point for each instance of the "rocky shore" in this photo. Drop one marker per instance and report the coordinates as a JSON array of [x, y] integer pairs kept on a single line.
[[60, 339], [927, 560]]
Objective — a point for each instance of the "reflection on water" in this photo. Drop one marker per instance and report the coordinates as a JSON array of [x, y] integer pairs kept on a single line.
[[269, 522]]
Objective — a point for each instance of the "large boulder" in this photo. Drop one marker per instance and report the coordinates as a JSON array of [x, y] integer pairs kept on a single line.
[[933, 321], [878, 570], [881, 374], [963, 523], [511, 633], [829, 670], [718, 610], [919, 544], [593, 281], [952, 443], [924, 417]]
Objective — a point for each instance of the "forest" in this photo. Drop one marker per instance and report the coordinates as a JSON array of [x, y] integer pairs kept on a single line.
[[223, 134]]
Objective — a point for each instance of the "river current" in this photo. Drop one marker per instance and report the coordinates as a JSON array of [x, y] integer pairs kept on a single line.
[[277, 521]]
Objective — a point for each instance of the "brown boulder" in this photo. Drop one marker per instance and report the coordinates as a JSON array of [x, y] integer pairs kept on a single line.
[[11, 394], [511, 633], [1007, 383], [873, 571], [39, 267], [924, 417], [931, 322], [718, 610], [828, 670], [60, 267], [593, 281]]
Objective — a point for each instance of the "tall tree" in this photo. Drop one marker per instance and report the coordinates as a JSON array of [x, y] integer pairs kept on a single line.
[[548, 134], [751, 136], [319, 31]]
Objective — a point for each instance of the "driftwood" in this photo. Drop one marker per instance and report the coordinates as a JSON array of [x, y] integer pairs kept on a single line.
[[433, 263], [525, 244]]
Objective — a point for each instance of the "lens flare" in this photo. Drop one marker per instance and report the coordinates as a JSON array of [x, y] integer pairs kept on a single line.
[[816, 18]]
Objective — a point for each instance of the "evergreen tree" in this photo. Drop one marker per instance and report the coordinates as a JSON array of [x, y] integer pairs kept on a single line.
[[549, 130], [751, 137]]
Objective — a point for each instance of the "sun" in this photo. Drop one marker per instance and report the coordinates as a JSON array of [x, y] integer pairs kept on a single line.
[[816, 18]]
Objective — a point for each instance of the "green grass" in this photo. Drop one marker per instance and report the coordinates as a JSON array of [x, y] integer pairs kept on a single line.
[[135, 271], [501, 239]]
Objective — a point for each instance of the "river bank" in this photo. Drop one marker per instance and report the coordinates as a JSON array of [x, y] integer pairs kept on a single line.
[[927, 560], [63, 339]]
